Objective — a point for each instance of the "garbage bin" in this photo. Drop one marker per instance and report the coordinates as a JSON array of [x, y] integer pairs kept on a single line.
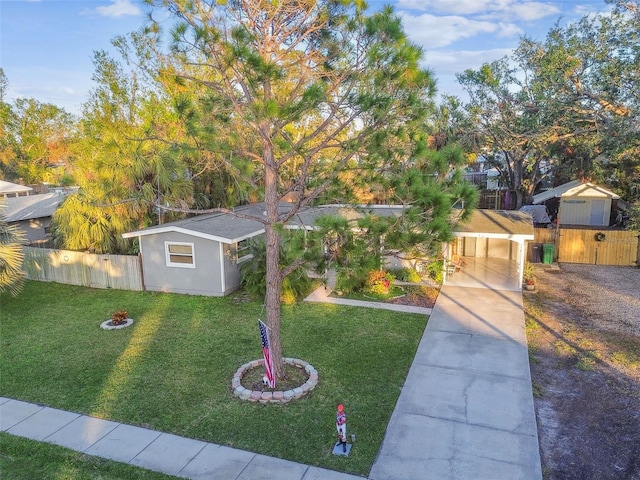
[[535, 252], [548, 251]]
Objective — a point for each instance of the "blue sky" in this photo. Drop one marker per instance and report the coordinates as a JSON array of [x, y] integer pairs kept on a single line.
[[46, 46]]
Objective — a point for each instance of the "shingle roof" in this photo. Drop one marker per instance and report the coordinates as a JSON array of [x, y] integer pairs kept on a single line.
[[31, 206], [497, 223], [229, 228], [574, 188]]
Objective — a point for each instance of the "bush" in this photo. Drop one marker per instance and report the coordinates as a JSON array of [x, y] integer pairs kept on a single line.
[[379, 282], [407, 275], [295, 286], [435, 270], [350, 280]]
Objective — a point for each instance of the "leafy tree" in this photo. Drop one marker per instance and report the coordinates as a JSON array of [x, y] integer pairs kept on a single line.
[[36, 138], [311, 100], [570, 99], [11, 256], [122, 171]]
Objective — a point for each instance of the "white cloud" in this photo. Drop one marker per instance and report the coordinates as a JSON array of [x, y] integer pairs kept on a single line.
[[118, 8], [450, 62], [432, 31], [514, 10]]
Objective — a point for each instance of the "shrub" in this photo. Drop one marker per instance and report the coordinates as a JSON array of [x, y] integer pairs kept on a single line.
[[350, 280], [407, 275], [379, 282], [435, 270], [119, 317]]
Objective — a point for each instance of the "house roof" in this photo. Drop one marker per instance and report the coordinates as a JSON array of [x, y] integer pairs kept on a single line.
[[576, 188], [8, 188], [230, 228], [509, 224], [31, 206]]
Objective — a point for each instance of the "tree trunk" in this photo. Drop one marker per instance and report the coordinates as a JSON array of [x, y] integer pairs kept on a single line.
[[274, 277]]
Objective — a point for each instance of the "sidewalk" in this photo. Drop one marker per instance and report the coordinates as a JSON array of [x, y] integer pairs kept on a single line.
[[465, 411], [161, 452]]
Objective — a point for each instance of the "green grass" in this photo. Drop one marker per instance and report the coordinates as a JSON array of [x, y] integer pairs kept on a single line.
[[171, 371], [23, 459]]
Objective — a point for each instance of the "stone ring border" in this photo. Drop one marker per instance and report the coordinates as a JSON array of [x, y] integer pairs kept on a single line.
[[277, 396], [105, 325]]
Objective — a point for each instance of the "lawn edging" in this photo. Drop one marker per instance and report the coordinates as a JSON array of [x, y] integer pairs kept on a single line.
[[277, 396]]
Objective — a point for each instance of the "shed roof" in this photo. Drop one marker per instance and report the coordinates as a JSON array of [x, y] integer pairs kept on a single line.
[[510, 224], [31, 206], [575, 188]]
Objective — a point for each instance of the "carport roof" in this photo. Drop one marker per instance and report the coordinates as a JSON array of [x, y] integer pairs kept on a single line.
[[509, 224]]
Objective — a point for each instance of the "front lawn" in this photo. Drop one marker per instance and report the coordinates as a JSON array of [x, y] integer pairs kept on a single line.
[[171, 371], [24, 459]]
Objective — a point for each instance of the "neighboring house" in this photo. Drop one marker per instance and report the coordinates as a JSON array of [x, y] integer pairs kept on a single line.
[[32, 214], [579, 203], [8, 189]]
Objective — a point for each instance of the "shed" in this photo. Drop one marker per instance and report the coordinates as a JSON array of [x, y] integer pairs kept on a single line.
[[494, 240], [580, 203], [32, 214]]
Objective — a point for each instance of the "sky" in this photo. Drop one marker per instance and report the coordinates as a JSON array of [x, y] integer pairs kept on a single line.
[[47, 46]]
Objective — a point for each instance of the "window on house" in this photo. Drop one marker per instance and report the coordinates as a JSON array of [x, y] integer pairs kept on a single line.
[[179, 254], [243, 251]]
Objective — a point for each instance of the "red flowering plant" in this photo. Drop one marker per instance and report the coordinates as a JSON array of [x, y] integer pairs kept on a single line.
[[119, 317], [379, 282]]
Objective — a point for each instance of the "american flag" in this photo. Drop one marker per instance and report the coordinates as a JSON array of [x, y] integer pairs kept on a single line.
[[266, 352]]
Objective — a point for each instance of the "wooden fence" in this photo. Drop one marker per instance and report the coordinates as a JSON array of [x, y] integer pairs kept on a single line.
[[122, 272], [592, 245]]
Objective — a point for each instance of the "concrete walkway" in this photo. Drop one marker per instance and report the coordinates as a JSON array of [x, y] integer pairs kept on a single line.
[[465, 411]]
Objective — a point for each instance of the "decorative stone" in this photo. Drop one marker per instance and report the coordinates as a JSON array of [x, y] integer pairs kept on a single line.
[[255, 396], [278, 396]]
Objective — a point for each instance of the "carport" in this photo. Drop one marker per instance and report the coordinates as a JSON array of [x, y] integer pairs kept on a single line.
[[491, 249]]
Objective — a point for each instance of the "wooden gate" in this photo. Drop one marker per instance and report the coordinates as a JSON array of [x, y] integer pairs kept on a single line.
[[592, 245]]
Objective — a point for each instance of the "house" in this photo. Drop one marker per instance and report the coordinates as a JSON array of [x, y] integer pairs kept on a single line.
[[8, 189], [201, 255], [32, 214], [579, 203]]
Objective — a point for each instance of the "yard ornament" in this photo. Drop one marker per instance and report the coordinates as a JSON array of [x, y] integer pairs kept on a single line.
[[341, 447]]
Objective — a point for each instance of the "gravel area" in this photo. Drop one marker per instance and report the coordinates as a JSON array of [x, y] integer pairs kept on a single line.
[[608, 295], [583, 329]]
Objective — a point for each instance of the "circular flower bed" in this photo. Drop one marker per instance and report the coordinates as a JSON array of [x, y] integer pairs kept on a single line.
[[109, 325], [274, 396]]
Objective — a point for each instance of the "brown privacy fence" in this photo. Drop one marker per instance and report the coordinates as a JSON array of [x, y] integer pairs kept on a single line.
[[595, 246], [122, 272]]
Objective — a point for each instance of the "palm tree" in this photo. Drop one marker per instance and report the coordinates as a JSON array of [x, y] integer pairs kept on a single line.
[[11, 256]]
